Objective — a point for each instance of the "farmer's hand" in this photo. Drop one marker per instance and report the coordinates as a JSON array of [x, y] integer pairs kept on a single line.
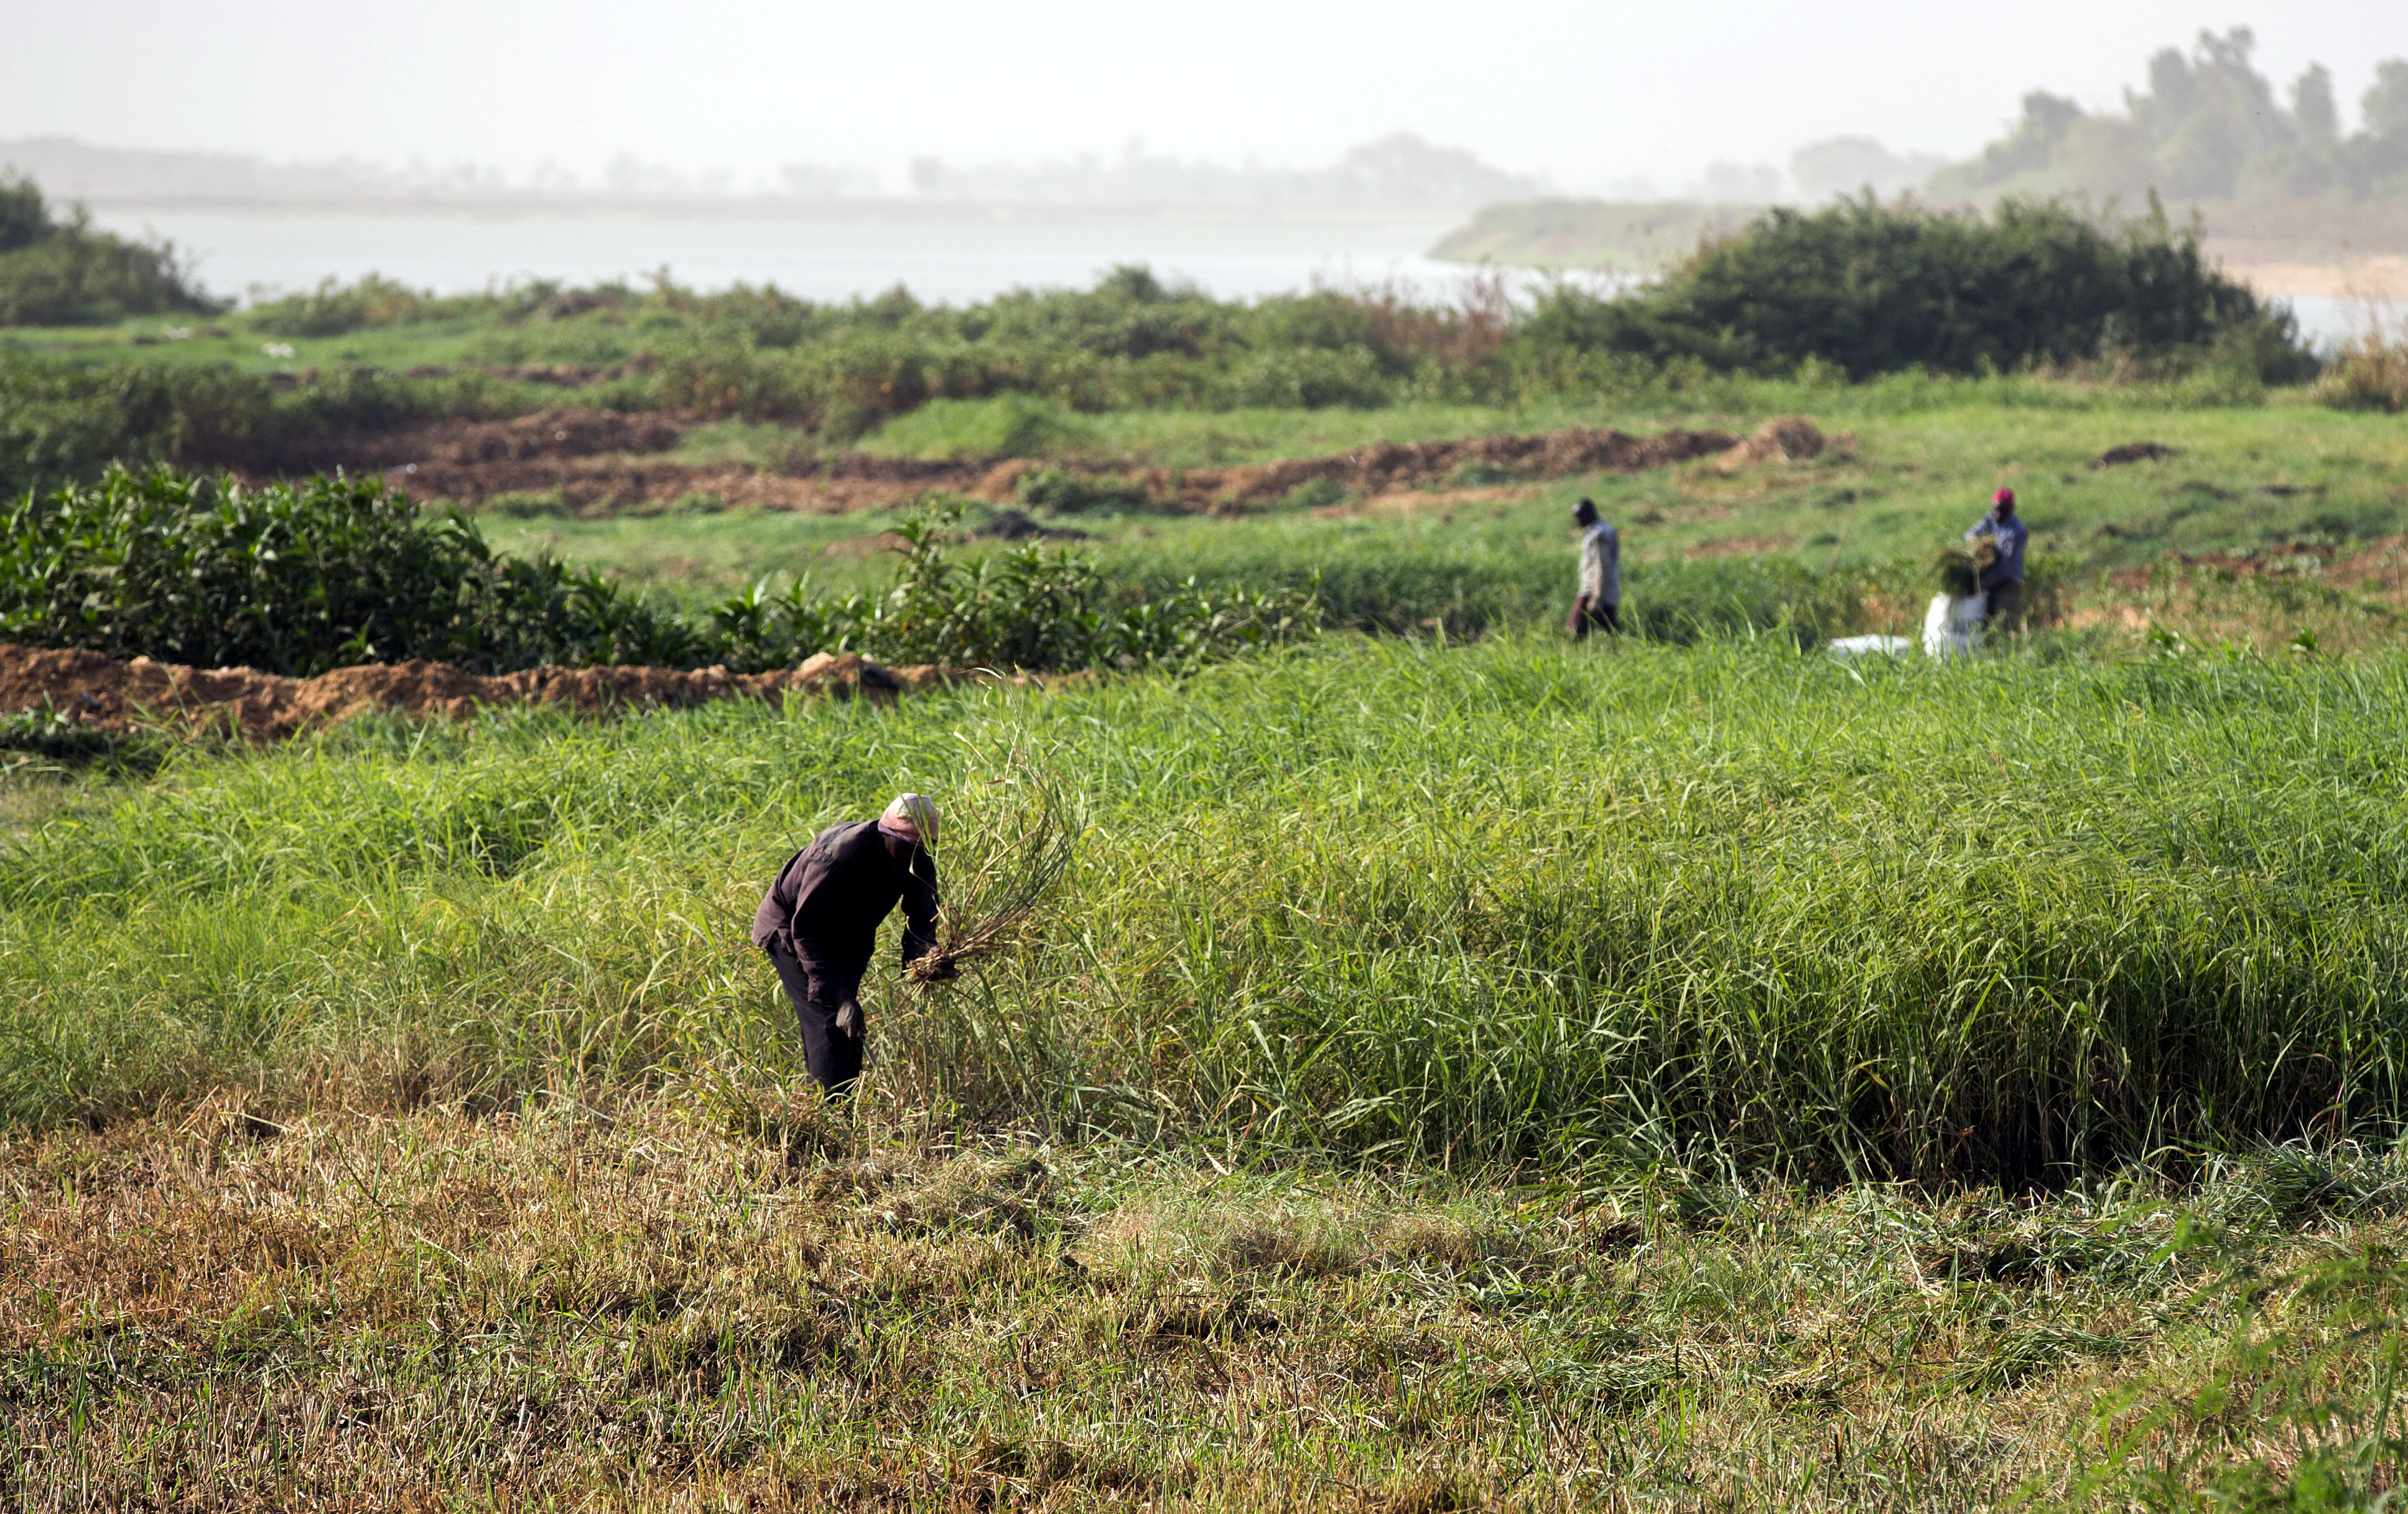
[[848, 1018], [934, 968]]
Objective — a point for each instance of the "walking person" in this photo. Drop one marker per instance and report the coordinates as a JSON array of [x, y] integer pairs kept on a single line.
[[1599, 603], [819, 923], [2003, 579]]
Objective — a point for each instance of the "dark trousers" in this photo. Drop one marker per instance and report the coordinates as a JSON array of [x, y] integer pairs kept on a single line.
[[2004, 598], [818, 993], [1593, 615]]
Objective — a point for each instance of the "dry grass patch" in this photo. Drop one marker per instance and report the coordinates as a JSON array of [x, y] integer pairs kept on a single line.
[[732, 1298]]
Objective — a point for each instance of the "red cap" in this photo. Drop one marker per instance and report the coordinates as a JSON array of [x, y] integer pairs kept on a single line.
[[2005, 498]]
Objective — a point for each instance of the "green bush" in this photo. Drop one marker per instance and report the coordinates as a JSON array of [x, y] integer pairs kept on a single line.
[[298, 579], [24, 218], [62, 421], [1874, 288], [334, 308], [1305, 378], [63, 273]]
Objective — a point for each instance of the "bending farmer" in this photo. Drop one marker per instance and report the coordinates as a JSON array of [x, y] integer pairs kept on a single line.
[[1598, 605], [820, 922], [2003, 579]]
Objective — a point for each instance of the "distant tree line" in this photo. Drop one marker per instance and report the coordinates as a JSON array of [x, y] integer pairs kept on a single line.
[[2209, 126]]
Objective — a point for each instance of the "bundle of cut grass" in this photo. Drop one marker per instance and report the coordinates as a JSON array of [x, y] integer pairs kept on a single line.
[[1017, 834], [1956, 568]]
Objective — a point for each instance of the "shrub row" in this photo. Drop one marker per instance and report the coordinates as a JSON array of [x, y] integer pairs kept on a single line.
[[299, 579], [63, 421]]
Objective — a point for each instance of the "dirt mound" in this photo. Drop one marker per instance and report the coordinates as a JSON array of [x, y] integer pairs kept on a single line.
[[610, 481], [563, 433], [1385, 467], [116, 696], [2115, 457], [1789, 439]]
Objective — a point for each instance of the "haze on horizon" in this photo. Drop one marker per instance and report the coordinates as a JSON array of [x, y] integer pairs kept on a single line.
[[1587, 99]]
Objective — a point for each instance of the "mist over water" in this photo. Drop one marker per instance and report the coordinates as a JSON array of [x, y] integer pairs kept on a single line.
[[953, 261]]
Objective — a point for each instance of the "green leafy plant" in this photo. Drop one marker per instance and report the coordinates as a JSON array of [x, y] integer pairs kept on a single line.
[[299, 579]]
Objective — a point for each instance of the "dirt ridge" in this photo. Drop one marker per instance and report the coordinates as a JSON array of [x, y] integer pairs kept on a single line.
[[91, 687], [602, 461]]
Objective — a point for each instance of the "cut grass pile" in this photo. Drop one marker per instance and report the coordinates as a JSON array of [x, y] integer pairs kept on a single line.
[[726, 1299], [1730, 904]]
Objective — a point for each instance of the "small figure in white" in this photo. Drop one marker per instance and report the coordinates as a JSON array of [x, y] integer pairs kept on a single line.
[[1952, 627]]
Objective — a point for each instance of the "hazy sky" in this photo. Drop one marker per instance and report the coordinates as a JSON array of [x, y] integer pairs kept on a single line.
[[1585, 93]]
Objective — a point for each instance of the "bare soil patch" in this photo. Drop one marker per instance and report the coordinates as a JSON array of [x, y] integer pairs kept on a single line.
[[265, 706], [600, 462]]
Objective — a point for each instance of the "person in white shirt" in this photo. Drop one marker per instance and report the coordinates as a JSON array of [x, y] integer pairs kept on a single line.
[[1599, 606]]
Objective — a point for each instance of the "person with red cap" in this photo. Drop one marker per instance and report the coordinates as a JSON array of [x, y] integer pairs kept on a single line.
[[819, 923], [2003, 579]]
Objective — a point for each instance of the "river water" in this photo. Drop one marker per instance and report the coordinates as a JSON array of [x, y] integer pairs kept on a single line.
[[953, 259]]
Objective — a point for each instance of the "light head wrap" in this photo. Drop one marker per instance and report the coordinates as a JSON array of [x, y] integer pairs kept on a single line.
[[912, 817]]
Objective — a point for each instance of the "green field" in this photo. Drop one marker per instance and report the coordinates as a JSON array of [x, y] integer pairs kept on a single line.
[[1565, 1022], [2282, 485], [1461, 1069]]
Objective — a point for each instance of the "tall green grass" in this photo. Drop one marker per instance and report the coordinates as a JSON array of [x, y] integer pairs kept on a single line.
[[1481, 906]]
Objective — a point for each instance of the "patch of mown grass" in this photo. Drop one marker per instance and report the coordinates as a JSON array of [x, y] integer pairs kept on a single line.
[[727, 1296], [2010, 921]]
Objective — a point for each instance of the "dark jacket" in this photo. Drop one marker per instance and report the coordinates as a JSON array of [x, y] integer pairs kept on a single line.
[[830, 896]]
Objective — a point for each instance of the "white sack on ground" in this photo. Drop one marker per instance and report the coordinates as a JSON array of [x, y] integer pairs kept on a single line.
[[1952, 627], [1870, 646]]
